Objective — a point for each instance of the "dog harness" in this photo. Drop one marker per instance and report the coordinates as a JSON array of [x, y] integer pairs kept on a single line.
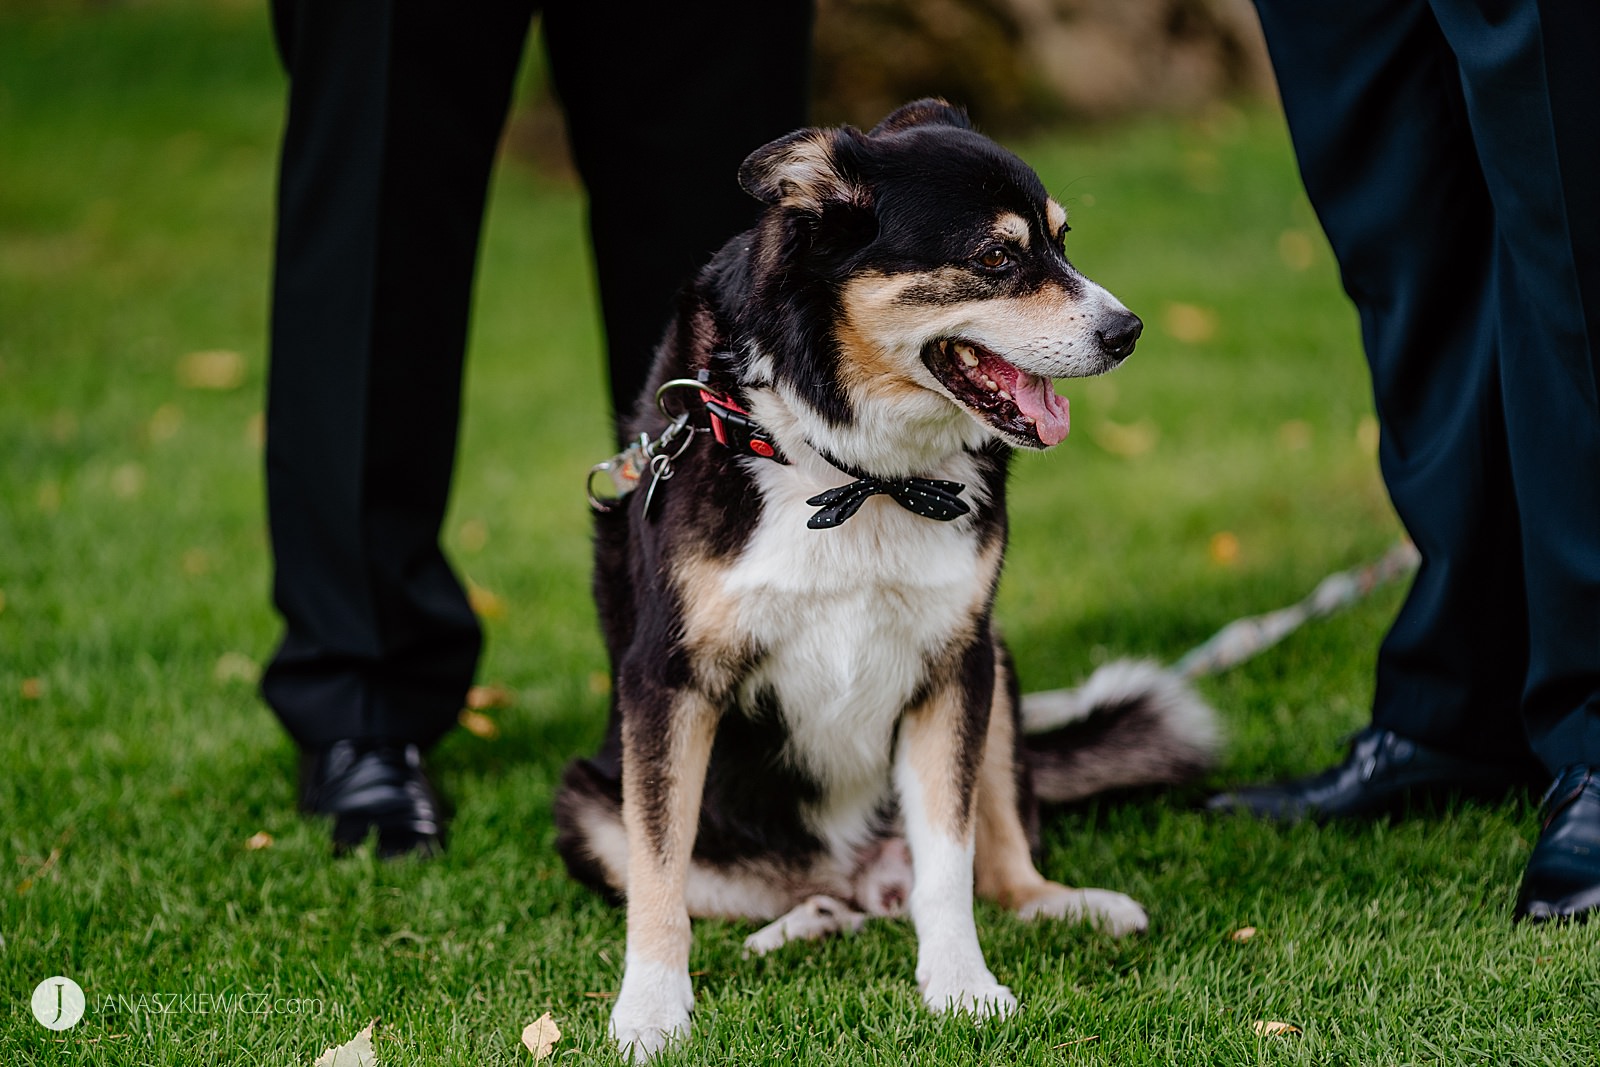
[[734, 429]]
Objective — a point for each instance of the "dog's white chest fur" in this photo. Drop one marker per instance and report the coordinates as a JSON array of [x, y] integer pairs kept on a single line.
[[848, 619]]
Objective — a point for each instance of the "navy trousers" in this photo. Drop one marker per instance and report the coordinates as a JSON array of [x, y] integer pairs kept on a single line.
[[1451, 152], [395, 111]]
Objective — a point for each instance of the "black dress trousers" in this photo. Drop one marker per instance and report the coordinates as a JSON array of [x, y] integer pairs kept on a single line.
[[395, 111], [1450, 151]]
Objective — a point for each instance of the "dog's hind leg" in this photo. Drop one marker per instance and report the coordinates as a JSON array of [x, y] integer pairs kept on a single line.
[[1005, 871], [940, 746], [666, 746]]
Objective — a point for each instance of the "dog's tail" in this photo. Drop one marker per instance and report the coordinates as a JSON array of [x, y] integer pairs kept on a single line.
[[1131, 724]]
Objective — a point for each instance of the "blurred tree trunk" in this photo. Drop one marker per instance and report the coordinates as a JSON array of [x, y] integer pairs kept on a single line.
[[1017, 64]]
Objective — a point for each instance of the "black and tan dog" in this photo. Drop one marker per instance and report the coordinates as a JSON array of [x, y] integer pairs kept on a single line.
[[810, 699]]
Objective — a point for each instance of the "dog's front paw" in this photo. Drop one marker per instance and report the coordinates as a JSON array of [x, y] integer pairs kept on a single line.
[[977, 994], [1112, 912], [652, 1010]]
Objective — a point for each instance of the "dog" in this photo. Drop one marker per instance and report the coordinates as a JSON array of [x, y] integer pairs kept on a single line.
[[813, 718]]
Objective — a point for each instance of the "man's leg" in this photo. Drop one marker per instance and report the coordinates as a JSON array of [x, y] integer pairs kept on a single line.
[[395, 110], [663, 102], [1531, 84], [1375, 107]]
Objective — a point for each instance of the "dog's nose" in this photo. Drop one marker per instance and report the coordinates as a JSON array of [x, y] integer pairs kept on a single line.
[[1121, 335]]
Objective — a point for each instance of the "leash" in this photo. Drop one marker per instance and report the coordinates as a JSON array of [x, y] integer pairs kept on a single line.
[[733, 428]]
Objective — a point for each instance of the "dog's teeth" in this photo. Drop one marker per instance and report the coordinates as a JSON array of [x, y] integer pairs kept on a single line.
[[990, 384], [1004, 395], [1028, 419], [968, 356]]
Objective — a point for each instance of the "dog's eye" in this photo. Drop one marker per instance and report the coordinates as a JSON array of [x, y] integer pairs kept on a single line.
[[996, 258], [1061, 235]]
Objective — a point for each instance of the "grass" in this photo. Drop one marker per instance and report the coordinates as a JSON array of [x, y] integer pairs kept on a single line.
[[1221, 473]]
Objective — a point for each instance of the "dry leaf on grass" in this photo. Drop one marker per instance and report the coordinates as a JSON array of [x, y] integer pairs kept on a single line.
[[218, 369], [541, 1036], [486, 604], [484, 697], [1244, 933], [1274, 1029], [258, 841], [1128, 441], [478, 724], [357, 1052]]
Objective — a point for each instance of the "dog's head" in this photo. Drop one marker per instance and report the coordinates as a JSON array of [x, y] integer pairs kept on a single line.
[[918, 273]]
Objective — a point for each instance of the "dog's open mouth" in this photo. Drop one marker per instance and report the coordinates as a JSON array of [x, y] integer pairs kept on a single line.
[[1014, 401]]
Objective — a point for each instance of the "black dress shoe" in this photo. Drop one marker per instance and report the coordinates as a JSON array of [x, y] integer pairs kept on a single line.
[[370, 786], [1563, 876], [1383, 774]]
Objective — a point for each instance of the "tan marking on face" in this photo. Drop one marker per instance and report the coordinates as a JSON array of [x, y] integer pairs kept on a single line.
[[658, 917], [1012, 227], [872, 338], [1056, 216]]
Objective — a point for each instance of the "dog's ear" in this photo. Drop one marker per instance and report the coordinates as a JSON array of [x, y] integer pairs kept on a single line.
[[929, 111], [811, 170]]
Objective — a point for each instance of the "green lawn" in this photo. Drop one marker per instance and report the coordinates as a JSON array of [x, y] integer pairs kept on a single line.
[[1221, 473]]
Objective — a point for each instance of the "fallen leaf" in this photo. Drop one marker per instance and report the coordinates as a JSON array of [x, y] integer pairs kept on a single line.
[[1273, 1029], [32, 688], [259, 840], [1296, 249], [235, 667], [1127, 441], [1224, 548], [1189, 323], [473, 535], [1295, 435], [216, 369], [1244, 933], [357, 1052], [1368, 435], [483, 697], [478, 724], [127, 481], [541, 1036], [164, 424], [485, 604]]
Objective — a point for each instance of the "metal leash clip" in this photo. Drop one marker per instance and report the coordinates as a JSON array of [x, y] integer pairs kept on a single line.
[[627, 468]]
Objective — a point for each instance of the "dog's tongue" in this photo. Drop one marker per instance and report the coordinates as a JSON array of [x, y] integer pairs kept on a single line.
[[1037, 399]]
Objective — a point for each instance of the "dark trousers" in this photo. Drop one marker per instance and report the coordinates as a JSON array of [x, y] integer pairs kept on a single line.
[[1451, 152], [395, 111]]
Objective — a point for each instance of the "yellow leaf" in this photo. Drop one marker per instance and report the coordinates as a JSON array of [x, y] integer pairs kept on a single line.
[[483, 697], [235, 667], [215, 369], [485, 604], [357, 1052], [1129, 441], [1274, 1029], [1190, 323], [1244, 933], [541, 1036], [478, 724], [1224, 548], [127, 481], [1295, 435], [259, 840], [1296, 249]]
